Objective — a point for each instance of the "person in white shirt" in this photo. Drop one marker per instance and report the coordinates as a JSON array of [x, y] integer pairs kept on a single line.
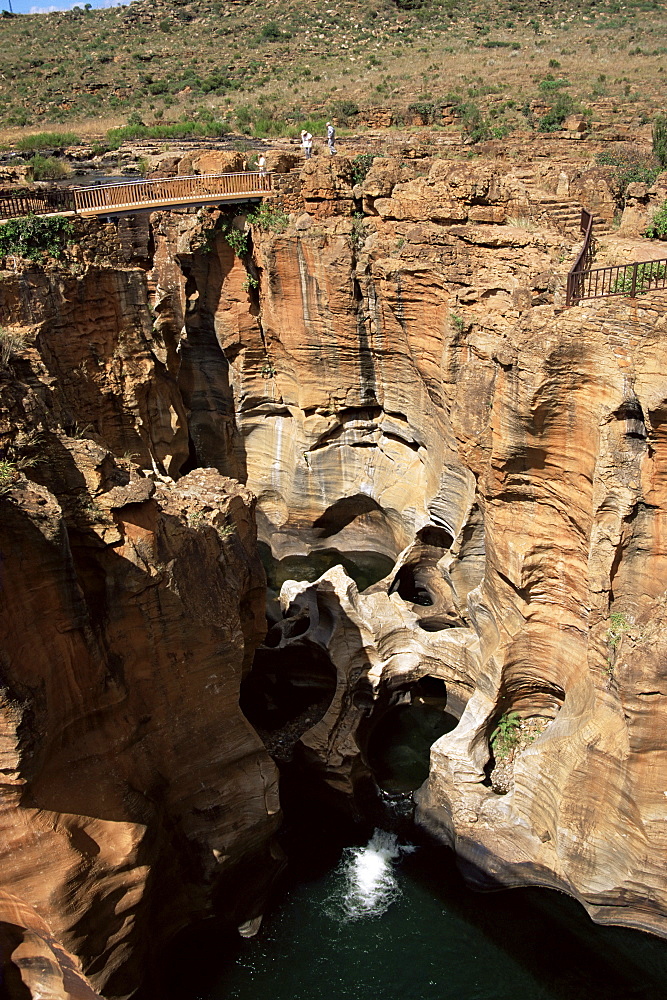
[[306, 143], [261, 164], [331, 139]]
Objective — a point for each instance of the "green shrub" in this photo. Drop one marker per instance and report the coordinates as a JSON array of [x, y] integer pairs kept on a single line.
[[269, 216], [646, 274], [47, 140], [660, 140], [505, 736], [49, 168], [236, 238], [549, 85], [553, 119], [631, 166], [344, 110], [475, 126], [271, 32], [34, 237], [430, 111], [361, 164], [657, 228]]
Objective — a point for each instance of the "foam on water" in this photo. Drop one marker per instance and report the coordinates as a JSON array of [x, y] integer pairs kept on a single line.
[[369, 884]]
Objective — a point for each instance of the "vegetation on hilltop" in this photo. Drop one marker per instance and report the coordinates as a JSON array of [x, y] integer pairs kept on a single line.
[[263, 66]]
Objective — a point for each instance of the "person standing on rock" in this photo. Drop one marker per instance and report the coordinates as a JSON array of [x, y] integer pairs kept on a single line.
[[331, 139], [307, 143]]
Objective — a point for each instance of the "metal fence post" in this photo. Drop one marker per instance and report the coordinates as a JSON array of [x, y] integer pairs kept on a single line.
[[633, 286]]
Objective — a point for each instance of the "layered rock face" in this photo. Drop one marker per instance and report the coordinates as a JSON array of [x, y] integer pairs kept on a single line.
[[402, 394], [134, 790], [413, 390]]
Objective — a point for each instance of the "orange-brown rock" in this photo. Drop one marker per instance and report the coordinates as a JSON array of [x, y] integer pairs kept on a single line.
[[641, 204], [215, 161], [34, 960], [424, 375], [132, 785], [402, 390]]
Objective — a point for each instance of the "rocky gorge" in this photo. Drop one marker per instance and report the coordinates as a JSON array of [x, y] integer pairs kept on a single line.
[[456, 488]]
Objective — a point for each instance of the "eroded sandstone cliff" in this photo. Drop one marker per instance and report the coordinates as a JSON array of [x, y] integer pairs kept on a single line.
[[133, 787], [403, 393]]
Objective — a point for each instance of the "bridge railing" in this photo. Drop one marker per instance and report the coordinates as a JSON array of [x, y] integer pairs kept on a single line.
[[39, 202], [170, 190]]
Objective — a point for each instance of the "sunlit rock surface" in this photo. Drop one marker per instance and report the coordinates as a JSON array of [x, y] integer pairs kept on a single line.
[[403, 394], [133, 785]]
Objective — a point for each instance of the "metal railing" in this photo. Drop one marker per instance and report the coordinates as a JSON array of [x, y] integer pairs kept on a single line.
[[41, 202], [583, 261], [97, 200], [586, 282], [622, 279], [106, 199]]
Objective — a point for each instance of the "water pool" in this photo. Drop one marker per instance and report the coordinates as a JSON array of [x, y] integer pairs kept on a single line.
[[384, 920]]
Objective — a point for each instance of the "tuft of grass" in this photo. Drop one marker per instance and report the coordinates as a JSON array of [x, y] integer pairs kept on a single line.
[[47, 140], [618, 626], [10, 345], [9, 474], [180, 130], [49, 168]]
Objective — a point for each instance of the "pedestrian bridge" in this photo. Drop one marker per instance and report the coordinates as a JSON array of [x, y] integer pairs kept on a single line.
[[134, 196]]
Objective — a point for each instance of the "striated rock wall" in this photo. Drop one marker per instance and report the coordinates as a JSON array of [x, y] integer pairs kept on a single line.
[[132, 783], [393, 379], [133, 788], [401, 390]]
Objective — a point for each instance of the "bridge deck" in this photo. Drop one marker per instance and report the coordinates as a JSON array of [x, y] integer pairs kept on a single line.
[[129, 196]]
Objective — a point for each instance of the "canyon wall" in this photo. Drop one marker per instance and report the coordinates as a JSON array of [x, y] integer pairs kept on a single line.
[[409, 386], [134, 790], [398, 391]]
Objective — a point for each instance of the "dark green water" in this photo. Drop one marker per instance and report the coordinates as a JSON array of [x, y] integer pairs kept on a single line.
[[365, 568], [428, 938], [399, 750]]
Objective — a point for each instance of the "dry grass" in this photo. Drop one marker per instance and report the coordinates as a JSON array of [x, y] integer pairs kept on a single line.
[[10, 345], [90, 71]]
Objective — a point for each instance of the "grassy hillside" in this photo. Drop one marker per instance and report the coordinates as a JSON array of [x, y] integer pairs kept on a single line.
[[266, 65]]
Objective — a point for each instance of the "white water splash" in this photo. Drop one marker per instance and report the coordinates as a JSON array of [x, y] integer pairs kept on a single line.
[[369, 880]]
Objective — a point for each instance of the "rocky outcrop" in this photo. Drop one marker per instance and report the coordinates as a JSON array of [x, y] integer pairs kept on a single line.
[[641, 204], [34, 960], [133, 786], [405, 378], [478, 474], [556, 613]]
